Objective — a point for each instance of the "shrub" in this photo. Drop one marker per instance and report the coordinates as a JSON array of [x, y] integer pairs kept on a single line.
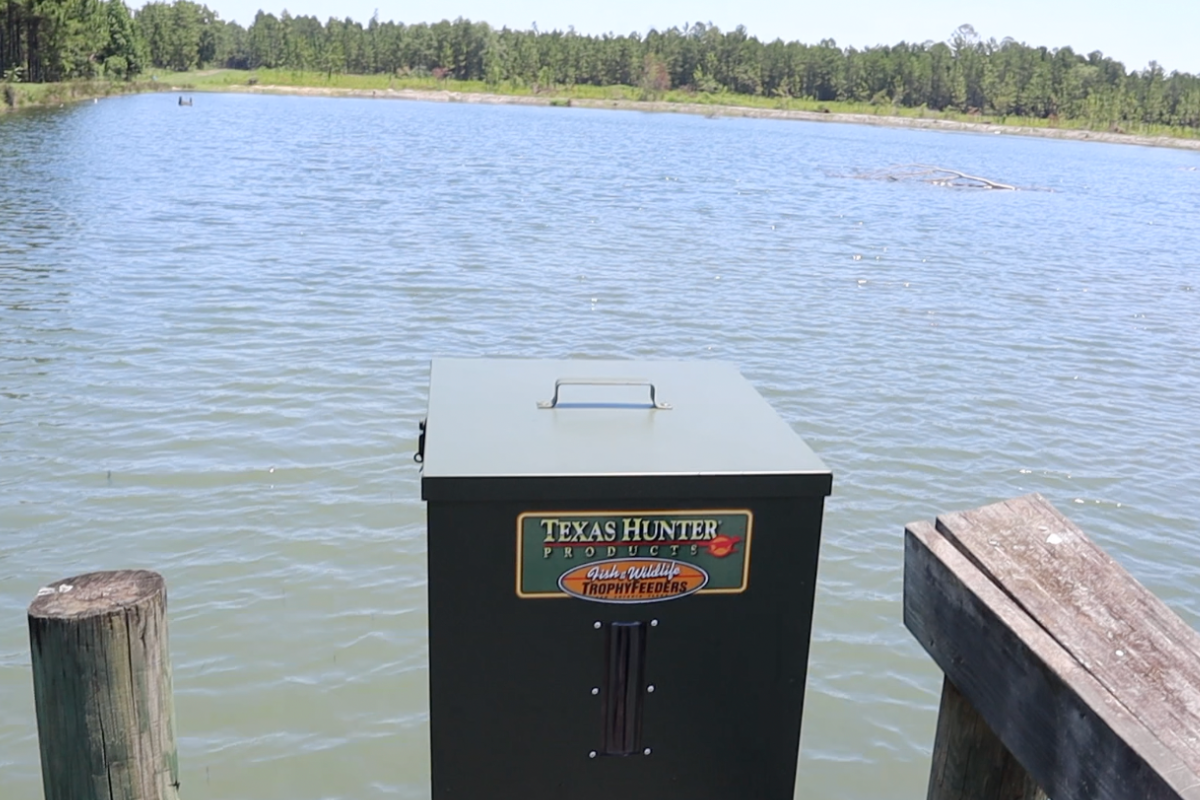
[[116, 67]]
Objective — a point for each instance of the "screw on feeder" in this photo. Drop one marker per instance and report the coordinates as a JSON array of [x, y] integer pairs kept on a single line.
[[649, 688], [653, 623], [595, 690], [646, 752], [596, 624], [592, 754]]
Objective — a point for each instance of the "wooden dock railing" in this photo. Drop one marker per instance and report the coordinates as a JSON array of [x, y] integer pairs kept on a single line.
[[1061, 671]]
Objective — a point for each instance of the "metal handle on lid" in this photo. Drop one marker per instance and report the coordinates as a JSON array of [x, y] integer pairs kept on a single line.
[[553, 401]]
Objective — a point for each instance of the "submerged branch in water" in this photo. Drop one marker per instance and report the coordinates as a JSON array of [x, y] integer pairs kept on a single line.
[[937, 176]]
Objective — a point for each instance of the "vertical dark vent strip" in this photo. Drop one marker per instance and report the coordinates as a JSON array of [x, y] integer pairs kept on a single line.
[[624, 688]]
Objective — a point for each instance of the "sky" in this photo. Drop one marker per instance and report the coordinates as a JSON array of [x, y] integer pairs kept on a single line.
[[1135, 33]]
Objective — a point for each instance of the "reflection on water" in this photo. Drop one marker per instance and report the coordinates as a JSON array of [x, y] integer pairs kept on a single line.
[[215, 326]]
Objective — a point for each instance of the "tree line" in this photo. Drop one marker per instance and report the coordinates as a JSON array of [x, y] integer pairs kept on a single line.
[[48, 40]]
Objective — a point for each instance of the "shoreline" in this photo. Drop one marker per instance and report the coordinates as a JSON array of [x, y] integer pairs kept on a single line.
[[712, 110], [16, 97], [60, 94]]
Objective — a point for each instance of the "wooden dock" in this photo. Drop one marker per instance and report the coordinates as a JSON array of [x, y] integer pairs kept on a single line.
[[1061, 670], [1063, 675]]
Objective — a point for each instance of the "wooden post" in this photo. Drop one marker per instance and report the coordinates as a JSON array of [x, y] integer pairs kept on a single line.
[[969, 761], [102, 688]]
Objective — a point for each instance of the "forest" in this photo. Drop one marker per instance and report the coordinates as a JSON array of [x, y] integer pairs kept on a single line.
[[57, 40]]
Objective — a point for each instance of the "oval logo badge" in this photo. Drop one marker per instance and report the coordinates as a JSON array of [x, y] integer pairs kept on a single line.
[[633, 580]]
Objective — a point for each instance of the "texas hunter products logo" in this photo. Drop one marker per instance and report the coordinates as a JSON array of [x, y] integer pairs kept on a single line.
[[632, 556]]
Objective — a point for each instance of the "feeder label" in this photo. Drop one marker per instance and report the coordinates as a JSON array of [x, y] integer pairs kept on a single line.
[[632, 556]]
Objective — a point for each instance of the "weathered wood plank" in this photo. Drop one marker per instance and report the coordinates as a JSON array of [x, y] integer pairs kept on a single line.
[[102, 688], [1135, 646], [1069, 732], [969, 760]]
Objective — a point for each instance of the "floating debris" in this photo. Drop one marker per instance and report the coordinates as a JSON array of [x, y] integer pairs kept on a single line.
[[936, 176]]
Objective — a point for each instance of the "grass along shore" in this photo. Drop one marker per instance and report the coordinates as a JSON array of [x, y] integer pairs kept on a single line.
[[679, 101], [16, 95]]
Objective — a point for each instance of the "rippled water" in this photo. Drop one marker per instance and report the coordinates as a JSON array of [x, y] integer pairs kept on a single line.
[[215, 326]]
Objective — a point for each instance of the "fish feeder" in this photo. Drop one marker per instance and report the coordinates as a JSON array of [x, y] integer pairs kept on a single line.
[[621, 580]]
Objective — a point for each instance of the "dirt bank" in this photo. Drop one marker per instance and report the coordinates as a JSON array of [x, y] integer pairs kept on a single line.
[[730, 111]]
